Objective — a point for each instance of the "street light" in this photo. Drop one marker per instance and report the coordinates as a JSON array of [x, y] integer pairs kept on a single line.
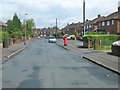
[[25, 30], [84, 16], [56, 27]]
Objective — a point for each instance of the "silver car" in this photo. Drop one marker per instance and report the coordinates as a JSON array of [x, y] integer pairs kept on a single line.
[[52, 40]]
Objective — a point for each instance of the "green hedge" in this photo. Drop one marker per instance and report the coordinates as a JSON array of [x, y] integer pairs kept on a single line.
[[106, 40], [0, 36]]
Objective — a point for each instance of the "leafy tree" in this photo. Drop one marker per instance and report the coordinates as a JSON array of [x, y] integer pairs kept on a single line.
[[5, 35], [17, 34], [16, 23], [77, 35], [10, 27], [14, 26], [29, 27]]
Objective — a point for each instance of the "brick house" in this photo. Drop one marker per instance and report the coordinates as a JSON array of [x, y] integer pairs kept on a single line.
[[37, 32], [91, 25], [88, 25], [111, 23], [48, 31], [73, 28]]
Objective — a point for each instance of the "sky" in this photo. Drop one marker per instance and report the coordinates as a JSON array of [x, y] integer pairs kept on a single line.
[[45, 12]]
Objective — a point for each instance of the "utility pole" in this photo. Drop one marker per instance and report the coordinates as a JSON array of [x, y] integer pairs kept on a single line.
[[56, 27], [84, 15], [25, 29]]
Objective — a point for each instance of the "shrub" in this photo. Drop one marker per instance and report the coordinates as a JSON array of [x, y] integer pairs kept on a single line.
[[105, 39], [17, 34], [3, 36], [0, 36]]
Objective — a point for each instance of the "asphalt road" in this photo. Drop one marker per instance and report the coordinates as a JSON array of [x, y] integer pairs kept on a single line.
[[46, 65]]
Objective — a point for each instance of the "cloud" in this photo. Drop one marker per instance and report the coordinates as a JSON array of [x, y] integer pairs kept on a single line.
[[44, 12]]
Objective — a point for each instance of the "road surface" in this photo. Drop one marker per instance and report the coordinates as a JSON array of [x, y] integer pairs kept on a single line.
[[46, 65]]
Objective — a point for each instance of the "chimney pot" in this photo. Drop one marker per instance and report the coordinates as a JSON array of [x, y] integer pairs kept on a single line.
[[99, 15]]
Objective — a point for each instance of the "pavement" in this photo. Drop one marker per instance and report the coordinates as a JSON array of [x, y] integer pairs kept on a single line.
[[102, 58], [13, 49]]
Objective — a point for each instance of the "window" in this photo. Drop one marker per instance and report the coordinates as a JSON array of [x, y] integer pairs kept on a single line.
[[87, 26], [103, 23], [108, 23], [90, 26], [113, 22]]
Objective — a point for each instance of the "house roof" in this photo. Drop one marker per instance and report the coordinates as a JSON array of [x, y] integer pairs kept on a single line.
[[112, 16], [101, 19], [98, 19], [49, 29], [89, 22], [3, 24], [74, 25]]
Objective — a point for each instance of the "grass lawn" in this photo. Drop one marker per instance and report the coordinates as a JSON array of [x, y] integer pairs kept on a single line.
[[104, 48]]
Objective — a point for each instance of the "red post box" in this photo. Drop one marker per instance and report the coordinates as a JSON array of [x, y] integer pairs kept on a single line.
[[65, 41]]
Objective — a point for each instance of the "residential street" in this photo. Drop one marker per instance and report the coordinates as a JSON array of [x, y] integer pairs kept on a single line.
[[47, 65]]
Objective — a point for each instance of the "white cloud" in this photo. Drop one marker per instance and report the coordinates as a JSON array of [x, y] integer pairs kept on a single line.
[[45, 11]]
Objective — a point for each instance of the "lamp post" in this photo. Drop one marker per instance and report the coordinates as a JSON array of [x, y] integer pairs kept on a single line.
[[25, 30], [84, 16], [56, 27]]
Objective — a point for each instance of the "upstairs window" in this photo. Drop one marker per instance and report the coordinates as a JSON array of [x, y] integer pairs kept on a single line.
[[113, 22], [87, 26], [90, 26], [103, 23], [108, 23]]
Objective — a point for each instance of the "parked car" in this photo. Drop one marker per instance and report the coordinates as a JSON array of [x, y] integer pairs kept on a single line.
[[68, 36], [52, 40], [73, 37], [116, 43]]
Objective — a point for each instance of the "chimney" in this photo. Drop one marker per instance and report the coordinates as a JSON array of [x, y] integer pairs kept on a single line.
[[67, 24], [99, 15], [119, 6], [86, 20]]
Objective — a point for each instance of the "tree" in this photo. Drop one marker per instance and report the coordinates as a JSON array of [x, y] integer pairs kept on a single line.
[[14, 26], [77, 35], [29, 27], [16, 23], [10, 26]]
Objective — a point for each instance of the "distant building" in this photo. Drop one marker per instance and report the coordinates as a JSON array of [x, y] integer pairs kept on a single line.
[[48, 31], [73, 28]]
